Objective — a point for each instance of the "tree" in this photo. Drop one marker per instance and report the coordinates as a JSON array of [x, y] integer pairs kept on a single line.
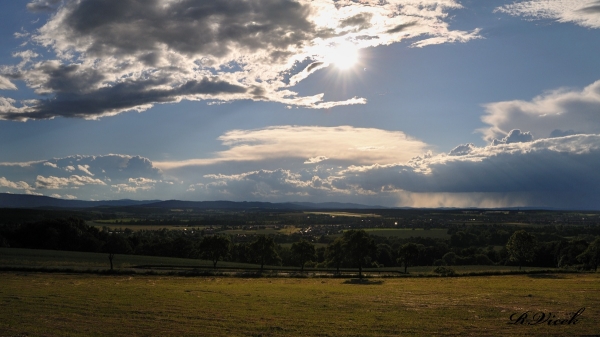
[[215, 248], [264, 251], [521, 247], [408, 253], [591, 256], [384, 255], [303, 251], [116, 244], [335, 254], [359, 247]]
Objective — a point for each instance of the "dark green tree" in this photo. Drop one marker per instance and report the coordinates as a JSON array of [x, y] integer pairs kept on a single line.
[[408, 253], [591, 256], [303, 251], [384, 255], [264, 251], [215, 248], [335, 254], [521, 247], [360, 248]]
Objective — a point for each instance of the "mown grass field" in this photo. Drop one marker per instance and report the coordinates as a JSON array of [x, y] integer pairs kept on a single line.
[[38, 258], [39, 304]]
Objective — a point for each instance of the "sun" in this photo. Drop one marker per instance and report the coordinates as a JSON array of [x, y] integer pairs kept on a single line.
[[343, 56]]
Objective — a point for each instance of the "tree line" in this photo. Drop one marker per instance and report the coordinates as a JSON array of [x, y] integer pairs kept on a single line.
[[469, 245]]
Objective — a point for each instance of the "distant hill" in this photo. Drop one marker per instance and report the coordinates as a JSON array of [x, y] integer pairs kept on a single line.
[[223, 205], [35, 201], [335, 205]]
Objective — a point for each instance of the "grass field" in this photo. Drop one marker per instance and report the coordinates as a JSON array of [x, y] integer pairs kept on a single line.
[[287, 230], [62, 260], [38, 304], [438, 233], [37, 258], [134, 227], [354, 215]]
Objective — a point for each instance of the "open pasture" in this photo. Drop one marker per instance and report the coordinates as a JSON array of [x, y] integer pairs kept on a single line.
[[138, 227], [38, 258], [348, 214], [38, 304]]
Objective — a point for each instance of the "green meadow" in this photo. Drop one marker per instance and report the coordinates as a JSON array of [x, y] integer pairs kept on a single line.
[[41, 304]]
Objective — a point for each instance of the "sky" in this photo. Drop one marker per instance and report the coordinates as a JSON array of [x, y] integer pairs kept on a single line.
[[428, 103]]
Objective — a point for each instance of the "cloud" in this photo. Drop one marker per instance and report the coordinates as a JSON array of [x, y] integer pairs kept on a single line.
[[108, 57], [54, 183], [6, 84], [43, 5], [583, 13], [85, 169], [462, 150], [101, 173], [342, 143], [66, 196], [19, 185], [554, 172], [514, 136], [315, 160], [558, 112]]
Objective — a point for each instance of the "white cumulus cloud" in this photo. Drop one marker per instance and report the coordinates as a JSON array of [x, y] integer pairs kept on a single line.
[[342, 143], [555, 113], [585, 13]]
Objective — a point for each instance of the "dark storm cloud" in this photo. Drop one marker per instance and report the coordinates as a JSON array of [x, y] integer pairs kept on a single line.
[[558, 172], [120, 97], [104, 57], [188, 26]]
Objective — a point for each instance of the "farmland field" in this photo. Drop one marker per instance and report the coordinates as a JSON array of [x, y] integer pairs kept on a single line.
[[36, 304], [348, 214], [438, 233]]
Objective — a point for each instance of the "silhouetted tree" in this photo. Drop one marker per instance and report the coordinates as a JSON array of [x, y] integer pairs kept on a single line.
[[384, 255], [521, 246], [303, 252], [359, 247], [408, 253], [591, 256], [215, 248], [263, 249], [335, 254]]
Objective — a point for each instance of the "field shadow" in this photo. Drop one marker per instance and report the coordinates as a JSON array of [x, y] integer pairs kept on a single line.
[[362, 281], [549, 276]]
